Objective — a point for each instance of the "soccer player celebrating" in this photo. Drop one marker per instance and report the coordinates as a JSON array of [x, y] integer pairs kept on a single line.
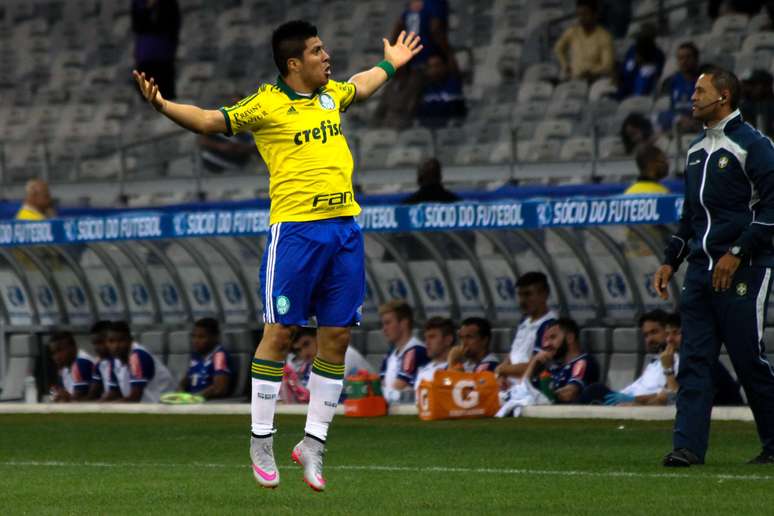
[[314, 261]]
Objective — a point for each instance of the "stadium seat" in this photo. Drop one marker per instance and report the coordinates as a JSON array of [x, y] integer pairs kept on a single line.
[[575, 89], [404, 157], [568, 108], [179, 355], [635, 104], [626, 340], [730, 23], [555, 129], [746, 62], [416, 137], [536, 90], [502, 152], [156, 342], [622, 370], [22, 353], [541, 72], [542, 151], [579, 148], [528, 111], [611, 147], [601, 88]]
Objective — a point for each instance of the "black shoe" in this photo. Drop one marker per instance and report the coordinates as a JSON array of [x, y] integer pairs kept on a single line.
[[762, 458], [681, 458]]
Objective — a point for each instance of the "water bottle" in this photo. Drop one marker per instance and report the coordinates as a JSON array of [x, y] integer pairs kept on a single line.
[[30, 390]]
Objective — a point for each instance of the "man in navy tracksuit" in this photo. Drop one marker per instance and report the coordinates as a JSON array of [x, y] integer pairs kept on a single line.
[[726, 233]]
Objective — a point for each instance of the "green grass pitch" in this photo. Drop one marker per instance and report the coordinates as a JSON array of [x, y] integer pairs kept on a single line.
[[143, 464]]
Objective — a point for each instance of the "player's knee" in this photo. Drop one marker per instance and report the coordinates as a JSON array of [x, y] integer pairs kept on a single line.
[[334, 340], [278, 338]]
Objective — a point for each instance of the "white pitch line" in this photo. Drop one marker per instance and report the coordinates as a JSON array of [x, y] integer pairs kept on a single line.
[[437, 469]]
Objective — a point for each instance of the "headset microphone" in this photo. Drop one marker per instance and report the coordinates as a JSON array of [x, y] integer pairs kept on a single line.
[[720, 99]]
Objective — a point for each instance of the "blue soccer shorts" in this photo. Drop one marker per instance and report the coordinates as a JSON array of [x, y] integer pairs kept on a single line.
[[314, 269]]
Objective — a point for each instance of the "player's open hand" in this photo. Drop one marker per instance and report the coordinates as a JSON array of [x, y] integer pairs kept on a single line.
[[149, 89], [724, 271], [405, 47], [661, 281]]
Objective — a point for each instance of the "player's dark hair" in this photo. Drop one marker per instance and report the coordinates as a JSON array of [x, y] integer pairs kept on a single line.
[[483, 325], [100, 327], [533, 278], [62, 337], [692, 47], [289, 41], [673, 320], [122, 328], [567, 325], [591, 4], [658, 316], [645, 154], [444, 324], [210, 325], [722, 79], [304, 331], [400, 308]]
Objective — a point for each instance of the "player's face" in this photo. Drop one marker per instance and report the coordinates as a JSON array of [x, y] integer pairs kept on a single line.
[[473, 344], [118, 344], [60, 354], [392, 327], [306, 348], [674, 337], [437, 343], [553, 339], [99, 342], [686, 60], [704, 99], [653, 335], [201, 341], [316, 63], [532, 299]]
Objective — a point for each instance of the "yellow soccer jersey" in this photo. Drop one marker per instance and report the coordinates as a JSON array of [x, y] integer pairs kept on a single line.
[[302, 142]]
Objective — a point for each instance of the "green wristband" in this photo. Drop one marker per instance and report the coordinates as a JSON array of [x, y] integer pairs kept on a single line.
[[387, 67]]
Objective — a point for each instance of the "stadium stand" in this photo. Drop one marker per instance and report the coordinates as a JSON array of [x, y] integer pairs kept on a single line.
[[69, 113]]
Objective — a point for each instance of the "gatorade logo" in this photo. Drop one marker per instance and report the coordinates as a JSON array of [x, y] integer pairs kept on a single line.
[[324, 132], [465, 394]]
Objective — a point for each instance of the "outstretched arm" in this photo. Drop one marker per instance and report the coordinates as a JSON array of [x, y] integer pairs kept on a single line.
[[196, 119], [395, 56]]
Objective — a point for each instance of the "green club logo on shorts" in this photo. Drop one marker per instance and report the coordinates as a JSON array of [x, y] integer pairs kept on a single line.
[[283, 305], [741, 288]]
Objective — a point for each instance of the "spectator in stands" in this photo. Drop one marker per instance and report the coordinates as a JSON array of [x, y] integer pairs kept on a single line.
[[679, 86], [615, 15], [757, 103], [442, 99], [653, 166], [561, 369], [38, 204], [407, 353], [140, 375], [430, 20], [430, 181], [210, 373], [717, 8], [636, 130], [439, 339], [74, 366], [473, 353], [585, 50], [103, 380], [533, 291], [642, 65], [156, 27]]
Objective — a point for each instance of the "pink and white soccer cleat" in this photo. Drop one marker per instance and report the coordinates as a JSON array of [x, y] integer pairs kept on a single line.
[[264, 468], [309, 454]]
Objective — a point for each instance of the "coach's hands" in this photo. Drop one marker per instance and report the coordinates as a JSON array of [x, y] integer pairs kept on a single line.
[[405, 47], [149, 89], [724, 271], [661, 281]]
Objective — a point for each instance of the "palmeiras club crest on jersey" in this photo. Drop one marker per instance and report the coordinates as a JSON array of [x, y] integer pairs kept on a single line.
[[326, 102], [283, 305], [723, 162]]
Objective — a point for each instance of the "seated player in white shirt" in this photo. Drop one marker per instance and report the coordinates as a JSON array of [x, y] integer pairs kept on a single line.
[[140, 375], [74, 367], [473, 353], [439, 338], [533, 291], [657, 384], [407, 353]]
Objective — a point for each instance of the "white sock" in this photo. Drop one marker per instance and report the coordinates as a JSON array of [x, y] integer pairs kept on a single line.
[[267, 379], [325, 384]]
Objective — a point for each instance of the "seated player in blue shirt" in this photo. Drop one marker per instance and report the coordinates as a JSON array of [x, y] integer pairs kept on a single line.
[[210, 373], [103, 380], [561, 369], [74, 367]]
